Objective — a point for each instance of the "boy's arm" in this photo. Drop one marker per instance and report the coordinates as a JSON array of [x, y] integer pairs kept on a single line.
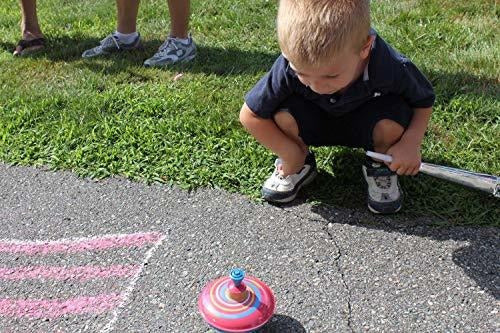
[[417, 91], [266, 132], [406, 152]]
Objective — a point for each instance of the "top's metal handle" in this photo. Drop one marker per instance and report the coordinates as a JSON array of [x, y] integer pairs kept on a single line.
[[379, 156], [480, 181]]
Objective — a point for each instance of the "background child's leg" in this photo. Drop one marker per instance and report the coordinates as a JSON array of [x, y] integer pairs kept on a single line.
[[127, 15], [179, 18], [32, 36], [29, 21]]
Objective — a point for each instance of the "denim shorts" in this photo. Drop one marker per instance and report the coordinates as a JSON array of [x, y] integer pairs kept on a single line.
[[353, 129]]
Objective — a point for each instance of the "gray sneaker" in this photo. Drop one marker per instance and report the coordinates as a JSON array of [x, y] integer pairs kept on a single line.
[[384, 192], [112, 44], [172, 51]]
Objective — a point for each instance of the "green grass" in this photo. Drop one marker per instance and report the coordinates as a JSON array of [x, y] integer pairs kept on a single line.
[[112, 116]]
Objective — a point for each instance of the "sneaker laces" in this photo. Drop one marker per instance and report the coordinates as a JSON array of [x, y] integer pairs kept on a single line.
[[166, 45], [383, 182], [107, 42], [280, 177]]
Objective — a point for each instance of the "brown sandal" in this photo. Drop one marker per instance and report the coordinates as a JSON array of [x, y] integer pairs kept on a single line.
[[25, 47]]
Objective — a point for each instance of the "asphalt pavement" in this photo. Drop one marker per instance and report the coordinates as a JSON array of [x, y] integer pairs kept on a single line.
[[79, 255]]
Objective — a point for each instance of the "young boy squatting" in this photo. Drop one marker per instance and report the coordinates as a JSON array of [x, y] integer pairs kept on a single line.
[[338, 83]]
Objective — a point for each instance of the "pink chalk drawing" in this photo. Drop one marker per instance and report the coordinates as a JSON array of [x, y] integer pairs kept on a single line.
[[58, 308], [81, 273], [78, 244], [12, 307]]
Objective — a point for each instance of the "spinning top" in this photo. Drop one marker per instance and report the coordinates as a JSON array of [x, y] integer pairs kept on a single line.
[[236, 303]]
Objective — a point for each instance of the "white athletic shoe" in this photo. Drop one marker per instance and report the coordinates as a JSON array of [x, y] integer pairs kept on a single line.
[[172, 51], [284, 189], [384, 192], [112, 44]]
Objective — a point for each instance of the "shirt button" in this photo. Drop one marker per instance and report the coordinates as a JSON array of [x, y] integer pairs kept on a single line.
[[333, 100]]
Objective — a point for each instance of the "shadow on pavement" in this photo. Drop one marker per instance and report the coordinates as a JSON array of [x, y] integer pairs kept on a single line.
[[339, 197], [479, 259], [474, 258], [281, 323]]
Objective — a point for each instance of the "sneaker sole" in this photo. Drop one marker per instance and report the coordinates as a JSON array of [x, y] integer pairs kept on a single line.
[[187, 59], [383, 213], [104, 54], [139, 47], [292, 197], [387, 208]]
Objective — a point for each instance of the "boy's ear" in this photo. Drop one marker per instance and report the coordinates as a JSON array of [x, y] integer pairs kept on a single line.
[[365, 49]]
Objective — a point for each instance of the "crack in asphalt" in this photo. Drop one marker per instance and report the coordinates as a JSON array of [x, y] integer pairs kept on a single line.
[[336, 260], [344, 282]]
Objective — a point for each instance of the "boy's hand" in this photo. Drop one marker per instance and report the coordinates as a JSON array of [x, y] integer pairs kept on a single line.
[[406, 158]]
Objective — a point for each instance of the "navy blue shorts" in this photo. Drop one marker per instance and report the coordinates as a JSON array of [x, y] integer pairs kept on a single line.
[[354, 129]]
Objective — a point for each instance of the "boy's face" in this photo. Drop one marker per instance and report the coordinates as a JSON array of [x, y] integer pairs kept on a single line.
[[337, 74]]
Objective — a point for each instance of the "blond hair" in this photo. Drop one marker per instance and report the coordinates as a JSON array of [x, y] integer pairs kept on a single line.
[[312, 31]]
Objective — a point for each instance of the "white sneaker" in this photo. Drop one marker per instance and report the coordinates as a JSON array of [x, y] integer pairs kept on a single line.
[[284, 189], [384, 192], [172, 51]]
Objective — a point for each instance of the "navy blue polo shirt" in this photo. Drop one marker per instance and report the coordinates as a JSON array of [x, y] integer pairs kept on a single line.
[[387, 72]]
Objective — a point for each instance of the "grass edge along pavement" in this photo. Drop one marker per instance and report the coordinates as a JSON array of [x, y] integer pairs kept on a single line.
[[111, 116]]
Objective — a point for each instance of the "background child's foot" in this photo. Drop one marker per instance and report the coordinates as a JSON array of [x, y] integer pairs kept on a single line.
[[384, 192], [112, 44], [30, 43], [173, 50], [284, 189]]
